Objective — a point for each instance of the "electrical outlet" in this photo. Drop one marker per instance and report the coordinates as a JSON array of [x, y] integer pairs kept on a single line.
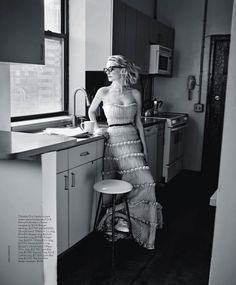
[[198, 107]]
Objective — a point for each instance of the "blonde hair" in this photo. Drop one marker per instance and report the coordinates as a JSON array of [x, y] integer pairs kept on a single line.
[[130, 72]]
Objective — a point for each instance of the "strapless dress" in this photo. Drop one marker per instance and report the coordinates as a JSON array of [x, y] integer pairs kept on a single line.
[[124, 159]]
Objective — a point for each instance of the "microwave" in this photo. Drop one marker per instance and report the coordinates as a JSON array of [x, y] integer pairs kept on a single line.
[[160, 61]]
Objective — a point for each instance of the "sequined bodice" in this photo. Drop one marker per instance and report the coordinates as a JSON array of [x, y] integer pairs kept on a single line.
[[120, 114]]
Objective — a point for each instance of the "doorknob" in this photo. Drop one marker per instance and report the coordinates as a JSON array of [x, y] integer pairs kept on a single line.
[[217, 98]]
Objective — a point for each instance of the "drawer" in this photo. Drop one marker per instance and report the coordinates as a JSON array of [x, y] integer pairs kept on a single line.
[[82, 154], [62, 160]]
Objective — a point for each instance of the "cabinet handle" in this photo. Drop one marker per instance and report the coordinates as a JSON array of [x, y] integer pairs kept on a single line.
[[66, 182], [72, 179], [84, 153]]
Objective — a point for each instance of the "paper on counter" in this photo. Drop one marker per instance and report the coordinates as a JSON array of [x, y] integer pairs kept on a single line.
[[71, 132]]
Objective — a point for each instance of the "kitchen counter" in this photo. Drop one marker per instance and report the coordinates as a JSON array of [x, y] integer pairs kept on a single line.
[[16, 145]]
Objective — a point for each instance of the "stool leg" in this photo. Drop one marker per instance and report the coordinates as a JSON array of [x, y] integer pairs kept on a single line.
[[98, 207], [129, 220], [113, 230]]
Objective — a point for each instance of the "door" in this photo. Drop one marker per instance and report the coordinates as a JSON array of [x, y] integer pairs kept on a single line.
[[215, 106], [81, 180]]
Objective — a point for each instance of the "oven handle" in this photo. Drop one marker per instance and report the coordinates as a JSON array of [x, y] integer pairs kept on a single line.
[[178, 128]]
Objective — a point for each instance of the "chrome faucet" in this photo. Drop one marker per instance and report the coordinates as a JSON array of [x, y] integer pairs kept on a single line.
[[87, 103]]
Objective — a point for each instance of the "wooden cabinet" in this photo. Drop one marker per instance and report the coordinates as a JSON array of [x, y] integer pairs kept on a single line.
[[142, 45], [165, 35], [119, 28], [22, 31], [76, 204], [153, 27], [130, 34]]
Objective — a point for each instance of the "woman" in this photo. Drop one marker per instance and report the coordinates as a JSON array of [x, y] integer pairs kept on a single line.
[[125, 155]]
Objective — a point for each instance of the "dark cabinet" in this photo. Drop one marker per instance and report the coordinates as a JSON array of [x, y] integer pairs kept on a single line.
[[22, 31], [153, 28], [119, 26], [142, 45], [130, 33], [165, 35]]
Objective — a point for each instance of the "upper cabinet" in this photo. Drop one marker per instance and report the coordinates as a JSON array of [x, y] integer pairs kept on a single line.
[[112, 27], [165, 35], [22, 31]]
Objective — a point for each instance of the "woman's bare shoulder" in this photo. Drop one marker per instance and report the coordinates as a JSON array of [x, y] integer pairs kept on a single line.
[[102, 92], [136, 93]]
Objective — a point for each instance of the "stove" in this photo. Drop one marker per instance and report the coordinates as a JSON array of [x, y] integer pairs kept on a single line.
[[173, 150], [173, 119]]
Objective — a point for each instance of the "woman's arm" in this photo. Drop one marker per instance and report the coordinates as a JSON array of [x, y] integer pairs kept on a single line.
[[138, 123], [94, 105]]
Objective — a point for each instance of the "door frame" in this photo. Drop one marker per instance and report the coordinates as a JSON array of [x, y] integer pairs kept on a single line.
[[214, 39]]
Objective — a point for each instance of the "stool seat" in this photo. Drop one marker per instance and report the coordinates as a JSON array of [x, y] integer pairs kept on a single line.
[[112, 186]]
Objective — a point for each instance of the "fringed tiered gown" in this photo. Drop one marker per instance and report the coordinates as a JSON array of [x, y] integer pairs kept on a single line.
[[124, 159]]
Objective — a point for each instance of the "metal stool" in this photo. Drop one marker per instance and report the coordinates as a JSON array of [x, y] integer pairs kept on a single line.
[[113, 187]]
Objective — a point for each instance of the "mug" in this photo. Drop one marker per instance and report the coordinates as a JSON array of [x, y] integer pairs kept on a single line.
[[87, 126]]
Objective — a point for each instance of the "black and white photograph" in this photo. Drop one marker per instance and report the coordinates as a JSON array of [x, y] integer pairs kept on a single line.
[[117, 142]]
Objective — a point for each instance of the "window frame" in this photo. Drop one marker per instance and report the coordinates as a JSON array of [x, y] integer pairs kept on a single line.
[[63, 35]]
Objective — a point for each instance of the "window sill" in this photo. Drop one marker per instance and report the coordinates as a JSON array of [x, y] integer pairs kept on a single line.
[[40, 124]]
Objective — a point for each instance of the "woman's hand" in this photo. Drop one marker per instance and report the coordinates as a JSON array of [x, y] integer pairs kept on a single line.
[[101, 132]]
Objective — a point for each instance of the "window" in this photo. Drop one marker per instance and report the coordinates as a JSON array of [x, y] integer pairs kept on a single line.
[[41, 90]]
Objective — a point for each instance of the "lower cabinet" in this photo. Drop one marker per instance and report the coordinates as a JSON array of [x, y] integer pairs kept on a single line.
[[76, 200], [154, 136], [151, 142], [81, 181], [62, 211]]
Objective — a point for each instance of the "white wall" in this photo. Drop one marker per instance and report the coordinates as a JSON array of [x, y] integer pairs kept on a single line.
[[223, 264], [186, 16], [4, 97], [77, 12]]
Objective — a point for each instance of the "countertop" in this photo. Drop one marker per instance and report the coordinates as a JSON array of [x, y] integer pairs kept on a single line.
[[16, 145], [19, 145]]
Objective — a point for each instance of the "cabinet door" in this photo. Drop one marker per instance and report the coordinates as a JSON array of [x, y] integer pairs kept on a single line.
[[22, 31], [62, 211], [81, 180], [160, 148], [98, 177], [153, 35], [130, 33], [151, 141], [142, 45], [119, 10], [165, 35]]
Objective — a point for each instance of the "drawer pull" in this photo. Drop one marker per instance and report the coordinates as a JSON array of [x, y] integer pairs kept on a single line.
[[66, 182], [72, 179], [84, 153]]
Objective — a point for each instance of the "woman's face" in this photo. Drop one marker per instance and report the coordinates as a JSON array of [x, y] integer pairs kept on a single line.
[[113, 71]]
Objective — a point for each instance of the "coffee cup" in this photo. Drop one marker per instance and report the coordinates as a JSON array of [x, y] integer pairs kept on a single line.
[[87, 126]]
